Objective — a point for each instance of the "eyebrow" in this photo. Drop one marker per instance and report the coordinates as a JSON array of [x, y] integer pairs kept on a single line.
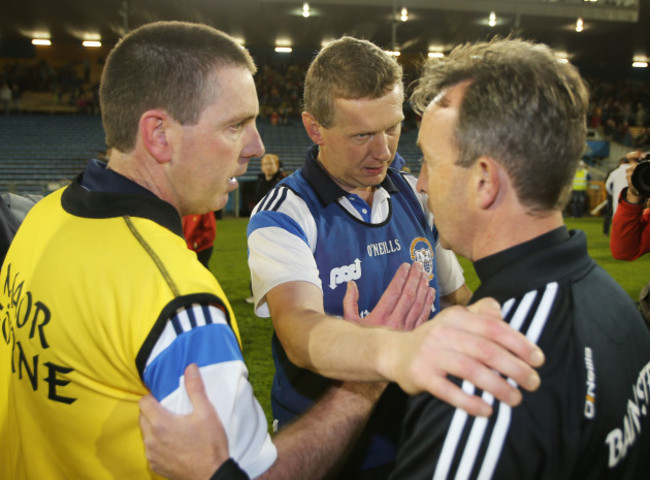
[[364, 132], [248, 118], [241, 118]]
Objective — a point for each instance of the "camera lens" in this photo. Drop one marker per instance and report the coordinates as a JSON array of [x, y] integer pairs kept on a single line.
[[641, 178]]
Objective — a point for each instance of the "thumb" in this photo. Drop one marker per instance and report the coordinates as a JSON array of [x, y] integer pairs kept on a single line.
[[487, 306], [351, 302], [194, 386], [203, 410]]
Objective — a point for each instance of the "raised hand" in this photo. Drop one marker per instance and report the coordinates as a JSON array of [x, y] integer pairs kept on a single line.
[[405, 304], [472, 343]]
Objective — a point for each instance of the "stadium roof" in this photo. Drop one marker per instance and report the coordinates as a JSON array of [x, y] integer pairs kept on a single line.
[[615, 31]]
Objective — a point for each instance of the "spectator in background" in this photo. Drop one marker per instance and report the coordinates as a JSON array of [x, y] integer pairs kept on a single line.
[[199, 232], [579, 190], [631, 228], [616, 181], [269, 177], [631, 223], [17, 93], [640, 115], [642, 140], [5, 97]]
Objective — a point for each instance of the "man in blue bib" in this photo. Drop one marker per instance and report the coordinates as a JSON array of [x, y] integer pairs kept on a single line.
[[345, 215]]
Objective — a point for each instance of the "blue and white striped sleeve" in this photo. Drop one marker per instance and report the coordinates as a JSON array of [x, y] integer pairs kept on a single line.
[[201, 334], [281, 241]]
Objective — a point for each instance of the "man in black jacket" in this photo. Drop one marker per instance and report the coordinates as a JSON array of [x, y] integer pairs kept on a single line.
[[502, 132]]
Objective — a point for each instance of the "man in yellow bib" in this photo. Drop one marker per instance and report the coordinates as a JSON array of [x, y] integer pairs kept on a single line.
[[102, 301]]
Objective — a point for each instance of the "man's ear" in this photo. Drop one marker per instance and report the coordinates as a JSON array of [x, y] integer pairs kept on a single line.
[[487, 182], [312, 127], [154, 131]]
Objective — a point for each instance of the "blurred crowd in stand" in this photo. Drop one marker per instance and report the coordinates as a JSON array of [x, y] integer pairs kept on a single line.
[[621, 110], [71, 85], [280, 91]]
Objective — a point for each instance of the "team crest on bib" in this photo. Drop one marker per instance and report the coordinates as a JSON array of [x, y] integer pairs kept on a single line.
[[421, 251]]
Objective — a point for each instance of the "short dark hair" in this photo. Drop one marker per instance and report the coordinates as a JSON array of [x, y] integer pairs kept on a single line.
[[165, 65], [523, 107], [348, 68]]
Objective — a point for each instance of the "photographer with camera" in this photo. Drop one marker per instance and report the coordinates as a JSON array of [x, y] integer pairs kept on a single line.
[[630, 236]]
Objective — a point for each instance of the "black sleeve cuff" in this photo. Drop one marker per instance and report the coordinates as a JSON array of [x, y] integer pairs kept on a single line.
[[229, 470]]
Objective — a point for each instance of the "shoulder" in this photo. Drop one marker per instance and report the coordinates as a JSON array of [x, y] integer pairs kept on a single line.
[[283, 208], [285, 197]]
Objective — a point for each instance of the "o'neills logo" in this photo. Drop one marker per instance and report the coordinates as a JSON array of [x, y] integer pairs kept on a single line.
[[590, 396], [421, 251]]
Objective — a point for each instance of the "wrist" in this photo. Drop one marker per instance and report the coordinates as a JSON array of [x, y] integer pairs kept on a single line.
[[388, 355]]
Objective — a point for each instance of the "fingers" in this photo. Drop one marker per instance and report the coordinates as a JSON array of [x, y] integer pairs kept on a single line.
[[151, 409], [412, 291], [145, 425], [482, 373], [472, 344], [152, 422], [412, 302], [184, 446], [420, 309], [413, 305], [634, 156], [451, 393], [629, 172], [425, 311], [484, 341], [405, 304], [488, 324], [391, 296]]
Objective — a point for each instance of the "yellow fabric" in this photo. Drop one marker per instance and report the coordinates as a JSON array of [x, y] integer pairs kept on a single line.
[[79, 298], [580, 179]]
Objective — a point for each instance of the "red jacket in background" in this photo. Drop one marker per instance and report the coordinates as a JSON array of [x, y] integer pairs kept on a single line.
[[630, 235], [199, 231]]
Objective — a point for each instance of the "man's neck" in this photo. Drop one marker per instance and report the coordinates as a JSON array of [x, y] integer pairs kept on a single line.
[[144, 171], [503, 233], [366, 193]]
